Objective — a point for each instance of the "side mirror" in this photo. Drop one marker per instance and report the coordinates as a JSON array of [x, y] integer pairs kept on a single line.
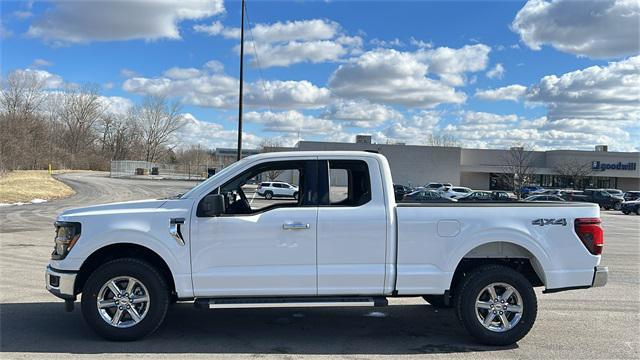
[[212, 205]]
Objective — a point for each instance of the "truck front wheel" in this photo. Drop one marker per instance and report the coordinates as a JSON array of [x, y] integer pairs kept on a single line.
[[497, 305], [125, 299]]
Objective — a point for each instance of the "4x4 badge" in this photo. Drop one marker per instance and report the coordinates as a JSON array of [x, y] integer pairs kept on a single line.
[[543, 222]]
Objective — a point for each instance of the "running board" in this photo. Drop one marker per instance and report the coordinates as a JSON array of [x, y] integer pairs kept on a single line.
[[290, 302]]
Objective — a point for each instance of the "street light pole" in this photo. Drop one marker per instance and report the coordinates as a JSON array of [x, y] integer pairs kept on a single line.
[[241, 80]]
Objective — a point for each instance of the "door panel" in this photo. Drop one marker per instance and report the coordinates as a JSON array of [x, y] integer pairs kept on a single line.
[[259, 247], [352, 239], [255, 255]]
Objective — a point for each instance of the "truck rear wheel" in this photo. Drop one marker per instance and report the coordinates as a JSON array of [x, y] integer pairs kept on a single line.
[[497, 305], [125, 299]]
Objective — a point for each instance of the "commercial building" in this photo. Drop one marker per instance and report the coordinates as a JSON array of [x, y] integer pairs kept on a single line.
[[485, 169]]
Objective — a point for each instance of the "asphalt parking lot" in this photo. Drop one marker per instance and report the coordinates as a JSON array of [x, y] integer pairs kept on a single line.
[[595, 323]]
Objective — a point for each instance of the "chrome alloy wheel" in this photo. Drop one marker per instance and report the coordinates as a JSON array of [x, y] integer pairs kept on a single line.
[[499, 307], [123, 301]]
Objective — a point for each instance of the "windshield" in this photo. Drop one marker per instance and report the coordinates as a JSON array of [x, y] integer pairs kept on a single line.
[[206, 183]]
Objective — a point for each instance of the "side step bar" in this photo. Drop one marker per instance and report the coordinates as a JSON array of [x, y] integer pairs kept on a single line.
[[246, 303]]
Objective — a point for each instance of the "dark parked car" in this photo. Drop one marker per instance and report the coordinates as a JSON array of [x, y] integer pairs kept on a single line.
[[631, 195], [629, 207], [400, 191], [544, 198], [426, 196], [598, 196], [486, 196]]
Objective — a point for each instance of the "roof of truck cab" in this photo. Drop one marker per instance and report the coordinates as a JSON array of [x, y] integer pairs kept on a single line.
[[279, 154]]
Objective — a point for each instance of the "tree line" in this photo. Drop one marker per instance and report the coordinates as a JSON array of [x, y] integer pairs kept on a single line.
[[74, 128]]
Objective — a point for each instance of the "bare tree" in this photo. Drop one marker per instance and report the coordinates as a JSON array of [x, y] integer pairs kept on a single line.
[[158, 120], [22, 127], [518, 168], [268, 145], [575, 171], [79, 111], [442, 140]]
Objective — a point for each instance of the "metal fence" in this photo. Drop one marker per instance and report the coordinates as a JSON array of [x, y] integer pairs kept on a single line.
[[151, 170]]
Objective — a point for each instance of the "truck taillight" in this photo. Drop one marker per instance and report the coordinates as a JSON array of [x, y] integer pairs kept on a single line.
[[591, 234]]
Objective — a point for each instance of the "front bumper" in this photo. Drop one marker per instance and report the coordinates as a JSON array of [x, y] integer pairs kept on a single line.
[[61, 283], [600, 276]]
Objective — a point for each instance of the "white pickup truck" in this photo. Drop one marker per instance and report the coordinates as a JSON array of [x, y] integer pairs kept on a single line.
[[342, 242]]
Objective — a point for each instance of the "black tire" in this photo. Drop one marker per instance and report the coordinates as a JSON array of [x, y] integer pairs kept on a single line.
[[638, 210], [295, 195], [471, 288], [626, 212], [268, 195], [607, 207], [437, 301], [617, 206], [149, 276]]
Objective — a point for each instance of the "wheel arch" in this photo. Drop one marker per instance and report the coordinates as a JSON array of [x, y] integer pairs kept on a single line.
[[123, 250], [528, 260]]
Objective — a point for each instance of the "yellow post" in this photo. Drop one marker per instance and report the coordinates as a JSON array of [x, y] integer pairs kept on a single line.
[[49, 169]]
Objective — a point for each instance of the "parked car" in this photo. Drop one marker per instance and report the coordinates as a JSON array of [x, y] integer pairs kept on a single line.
[[544, 198], [615, 192], [130, 260], [598, 196], [277, 189], [436, 186], [631, 195], [399, 191], [528, 189], [487, 196], [629, 207], [455, 192], [426, 196]]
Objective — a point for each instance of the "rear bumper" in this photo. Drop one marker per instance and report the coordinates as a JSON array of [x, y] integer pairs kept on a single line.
[[600, 276], [61, 283]]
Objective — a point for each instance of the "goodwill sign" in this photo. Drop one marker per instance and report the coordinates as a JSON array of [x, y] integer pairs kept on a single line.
[[597, 165]]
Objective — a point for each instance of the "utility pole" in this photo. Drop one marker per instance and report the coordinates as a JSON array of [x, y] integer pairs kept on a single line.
[[241, 79]]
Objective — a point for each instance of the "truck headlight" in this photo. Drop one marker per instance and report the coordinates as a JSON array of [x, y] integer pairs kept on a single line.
[[67, 234]]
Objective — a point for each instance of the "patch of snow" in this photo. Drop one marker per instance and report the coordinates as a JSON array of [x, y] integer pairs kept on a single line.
[[5, 204], [38, 201]]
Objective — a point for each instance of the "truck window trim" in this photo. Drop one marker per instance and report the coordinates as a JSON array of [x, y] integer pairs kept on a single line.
[[324, 181], [309, 185]]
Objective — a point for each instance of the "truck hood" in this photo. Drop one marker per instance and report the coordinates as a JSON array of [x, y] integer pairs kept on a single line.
[[113, 208]]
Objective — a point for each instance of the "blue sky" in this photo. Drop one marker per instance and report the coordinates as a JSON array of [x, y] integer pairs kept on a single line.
[[558, 74]]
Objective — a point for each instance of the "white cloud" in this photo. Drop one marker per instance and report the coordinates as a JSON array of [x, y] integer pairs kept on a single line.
[[609, 93], [40, 63], [211, 134], [513, 92], [387, 43], [360, 113], [177, 73], [128, 73], [420, 43], [451, 64], [483, 118], [291, 42], [116, 105], [292, 122], [497, 72], [391, 77], [597, 29], [414, 130], [101, 20], [206, 88], [48, 80]]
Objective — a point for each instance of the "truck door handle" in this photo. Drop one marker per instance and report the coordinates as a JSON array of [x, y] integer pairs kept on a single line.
[[295, 226]]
